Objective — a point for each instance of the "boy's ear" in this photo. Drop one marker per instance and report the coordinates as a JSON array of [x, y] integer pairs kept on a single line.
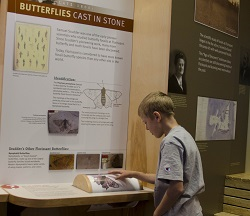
[[157, 115]]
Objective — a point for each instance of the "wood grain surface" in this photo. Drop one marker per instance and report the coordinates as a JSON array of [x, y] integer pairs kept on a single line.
[[150, 63]]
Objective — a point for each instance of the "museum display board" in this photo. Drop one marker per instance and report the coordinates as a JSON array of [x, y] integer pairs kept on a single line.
[[214, 106], [66, 82], [212, 36]]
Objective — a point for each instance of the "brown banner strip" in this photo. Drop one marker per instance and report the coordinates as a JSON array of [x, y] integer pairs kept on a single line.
[[69, 15]]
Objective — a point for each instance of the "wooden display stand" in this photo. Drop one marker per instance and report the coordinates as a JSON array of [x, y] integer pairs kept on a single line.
[[70, 200], [3, 202], [3, 196]]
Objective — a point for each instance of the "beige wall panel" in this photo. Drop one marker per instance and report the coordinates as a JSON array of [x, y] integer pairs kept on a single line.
[[3, 15], [150, 62]]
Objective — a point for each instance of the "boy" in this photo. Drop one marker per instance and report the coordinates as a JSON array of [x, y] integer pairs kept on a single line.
[[179, 176]]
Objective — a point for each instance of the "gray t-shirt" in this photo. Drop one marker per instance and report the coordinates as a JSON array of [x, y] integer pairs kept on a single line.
[[180, 160]]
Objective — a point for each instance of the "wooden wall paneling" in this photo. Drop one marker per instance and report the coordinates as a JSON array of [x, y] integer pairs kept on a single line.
[[3, 16], [235, 201], [237, 192], [150, 62], [240, 180], [236, 210]]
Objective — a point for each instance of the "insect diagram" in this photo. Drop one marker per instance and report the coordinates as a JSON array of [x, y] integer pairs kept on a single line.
[[105, 182], [102, 97]]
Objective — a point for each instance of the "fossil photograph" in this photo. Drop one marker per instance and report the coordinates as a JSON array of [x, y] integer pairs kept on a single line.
[[216, 119], [61, 161], [222, 15], [112, 161], [63, 122], [87, 161], [31, 47]]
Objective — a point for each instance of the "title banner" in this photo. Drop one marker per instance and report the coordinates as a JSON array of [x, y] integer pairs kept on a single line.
[[70, 15]]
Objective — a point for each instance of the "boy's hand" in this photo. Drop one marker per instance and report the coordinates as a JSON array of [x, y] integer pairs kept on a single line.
[[122, 174]]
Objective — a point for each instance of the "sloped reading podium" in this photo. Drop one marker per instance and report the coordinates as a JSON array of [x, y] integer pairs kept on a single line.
[[106, 183]]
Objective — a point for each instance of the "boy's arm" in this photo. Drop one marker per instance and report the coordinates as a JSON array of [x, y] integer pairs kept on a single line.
[[146, 177], [169, 199]]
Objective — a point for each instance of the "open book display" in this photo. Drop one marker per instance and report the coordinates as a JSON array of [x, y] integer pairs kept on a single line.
[[105, 183]]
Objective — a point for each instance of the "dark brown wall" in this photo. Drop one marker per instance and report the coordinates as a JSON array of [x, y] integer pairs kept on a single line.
[[219, 157]]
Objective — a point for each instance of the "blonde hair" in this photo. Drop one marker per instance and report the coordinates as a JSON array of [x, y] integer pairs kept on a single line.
[[156, 101]]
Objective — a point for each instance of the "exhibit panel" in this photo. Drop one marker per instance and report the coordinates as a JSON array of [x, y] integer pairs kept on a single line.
[[66, 78], [3, 12], [67, 87]]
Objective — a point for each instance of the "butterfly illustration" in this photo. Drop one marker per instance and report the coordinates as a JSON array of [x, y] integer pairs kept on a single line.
[[105, 182], [102, 97]]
